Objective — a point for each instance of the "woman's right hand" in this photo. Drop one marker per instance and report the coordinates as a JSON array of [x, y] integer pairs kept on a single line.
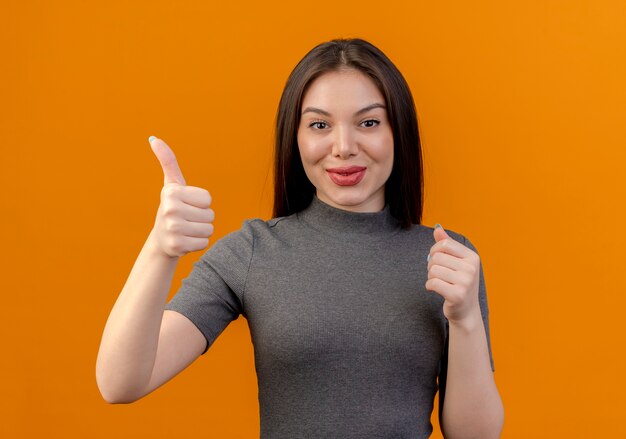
[[143, 345], [184, 220]]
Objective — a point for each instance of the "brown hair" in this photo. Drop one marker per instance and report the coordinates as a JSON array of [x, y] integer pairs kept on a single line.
[[404, 189]]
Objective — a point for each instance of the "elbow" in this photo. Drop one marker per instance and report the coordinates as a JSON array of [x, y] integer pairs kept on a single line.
[[493, 427], [112, 397], [115, 398], [499, 420], [112, 400], [489, 425], [115, 394]]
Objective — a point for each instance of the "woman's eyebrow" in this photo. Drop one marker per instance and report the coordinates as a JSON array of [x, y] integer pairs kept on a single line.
[[369, 107], [326, 113]]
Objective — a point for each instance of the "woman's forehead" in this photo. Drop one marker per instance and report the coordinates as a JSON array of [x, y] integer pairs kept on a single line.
[[342, 90]]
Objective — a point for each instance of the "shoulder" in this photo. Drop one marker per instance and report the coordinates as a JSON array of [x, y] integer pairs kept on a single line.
[[280, 227], [252, 230], [257, 227]]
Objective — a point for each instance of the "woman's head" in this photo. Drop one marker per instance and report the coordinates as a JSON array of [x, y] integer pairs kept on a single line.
[[359, 66]]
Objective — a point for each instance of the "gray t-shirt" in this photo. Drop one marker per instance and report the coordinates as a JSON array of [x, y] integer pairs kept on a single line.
[[347, 341]]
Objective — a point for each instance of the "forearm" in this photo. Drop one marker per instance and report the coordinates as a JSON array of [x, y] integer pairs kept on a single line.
[[472, 405], [130, 338]]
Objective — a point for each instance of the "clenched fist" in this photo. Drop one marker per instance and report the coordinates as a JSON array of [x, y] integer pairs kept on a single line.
[[454, 273], [184, 220]]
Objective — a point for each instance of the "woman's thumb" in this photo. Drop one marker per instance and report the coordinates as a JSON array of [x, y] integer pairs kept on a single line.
[[165, 155]]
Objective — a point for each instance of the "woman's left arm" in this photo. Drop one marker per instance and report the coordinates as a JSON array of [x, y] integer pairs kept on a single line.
[[472, 406]]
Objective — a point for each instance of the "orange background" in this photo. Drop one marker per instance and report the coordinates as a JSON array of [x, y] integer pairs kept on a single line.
[[522, 110]]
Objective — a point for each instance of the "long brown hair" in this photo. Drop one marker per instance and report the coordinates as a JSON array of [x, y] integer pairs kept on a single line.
[[404, 189]]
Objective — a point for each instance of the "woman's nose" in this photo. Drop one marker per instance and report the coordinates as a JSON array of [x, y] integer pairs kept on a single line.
[[344, 144]]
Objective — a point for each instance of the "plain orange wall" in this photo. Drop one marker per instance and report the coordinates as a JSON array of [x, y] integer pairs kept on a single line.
[[522, 107]]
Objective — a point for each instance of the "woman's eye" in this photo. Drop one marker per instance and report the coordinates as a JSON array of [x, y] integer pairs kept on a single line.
[[318, 125], [370, 123]]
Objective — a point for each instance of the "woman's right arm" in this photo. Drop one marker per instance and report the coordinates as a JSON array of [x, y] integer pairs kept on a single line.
[[142, 345]]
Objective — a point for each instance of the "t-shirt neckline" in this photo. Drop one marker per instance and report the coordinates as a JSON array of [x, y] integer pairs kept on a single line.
[[330, 219]]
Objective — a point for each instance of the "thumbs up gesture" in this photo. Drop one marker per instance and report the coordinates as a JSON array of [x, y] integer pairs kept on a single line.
[[453, 273], [184, 220]]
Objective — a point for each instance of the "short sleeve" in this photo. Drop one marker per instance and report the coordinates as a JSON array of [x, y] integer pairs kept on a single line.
[[484, 309], [212, 295]]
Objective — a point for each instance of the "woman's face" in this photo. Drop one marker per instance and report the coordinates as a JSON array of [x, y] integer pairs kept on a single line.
[[345, 141]]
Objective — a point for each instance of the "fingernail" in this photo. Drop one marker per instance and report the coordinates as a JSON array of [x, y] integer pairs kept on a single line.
[[428, 258], [438, 225], [151, 138]]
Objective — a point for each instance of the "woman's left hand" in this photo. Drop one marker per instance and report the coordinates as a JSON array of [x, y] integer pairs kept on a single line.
[[453, 273]]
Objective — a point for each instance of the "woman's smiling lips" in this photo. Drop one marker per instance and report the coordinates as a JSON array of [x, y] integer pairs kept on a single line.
[[347, 176]]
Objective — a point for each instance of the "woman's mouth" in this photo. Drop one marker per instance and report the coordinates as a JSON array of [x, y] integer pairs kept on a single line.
[[347, 176]]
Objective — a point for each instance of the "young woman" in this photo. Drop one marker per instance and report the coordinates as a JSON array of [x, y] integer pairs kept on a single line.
[[358, 313]]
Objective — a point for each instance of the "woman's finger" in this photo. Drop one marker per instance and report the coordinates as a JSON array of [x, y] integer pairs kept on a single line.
[[451, 247], [167, 159], [195, 196], [446, 260], [196, 215], [441, 287], [445, 274], [197, 230]]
